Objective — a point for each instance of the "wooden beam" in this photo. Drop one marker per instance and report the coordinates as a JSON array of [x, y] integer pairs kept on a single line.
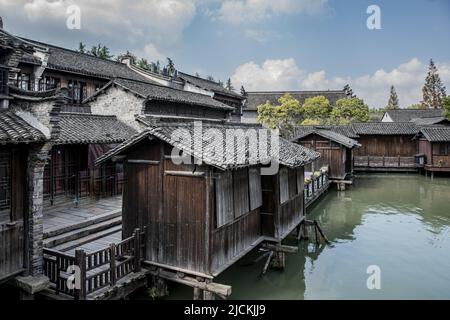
[[177, 269], [184, 173], [280, 248], [216, 288], [137, 161]]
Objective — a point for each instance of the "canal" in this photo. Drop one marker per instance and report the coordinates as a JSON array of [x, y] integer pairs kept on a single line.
[[398, 223]]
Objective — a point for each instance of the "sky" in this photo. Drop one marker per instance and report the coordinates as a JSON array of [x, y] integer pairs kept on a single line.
[[261, 44]]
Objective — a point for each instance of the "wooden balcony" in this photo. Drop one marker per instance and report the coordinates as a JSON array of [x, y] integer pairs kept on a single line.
[[383, 163]]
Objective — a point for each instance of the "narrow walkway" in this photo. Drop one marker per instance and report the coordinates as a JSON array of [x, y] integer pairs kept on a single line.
[[92, 225]]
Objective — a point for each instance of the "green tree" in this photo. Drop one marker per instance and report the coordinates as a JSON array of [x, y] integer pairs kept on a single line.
[[243, 92], [317, 108], [310, 122], [283, 116], [229, 85], [416, 106], [350, 110], [143, 64], [101, 52], [170, 66], [446, 106], [197, 75], [433, 91], [210, 78], [393, 100], [81, 47]]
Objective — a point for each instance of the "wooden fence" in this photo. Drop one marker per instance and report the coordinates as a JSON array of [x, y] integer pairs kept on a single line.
[[384, 162], [315, 187], [97, 270]]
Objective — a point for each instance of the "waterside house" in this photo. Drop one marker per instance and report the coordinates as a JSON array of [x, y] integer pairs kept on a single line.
[[201, 218], [434, 143]]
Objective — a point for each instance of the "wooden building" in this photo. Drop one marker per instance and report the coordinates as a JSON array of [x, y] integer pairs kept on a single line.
[[386, 146], [336, 150], [434, 143], [410, 115], [17, 138], [203, 217]]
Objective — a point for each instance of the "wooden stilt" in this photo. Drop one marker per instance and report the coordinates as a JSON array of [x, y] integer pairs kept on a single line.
[[321, 232], [266, 265], [198, 294]]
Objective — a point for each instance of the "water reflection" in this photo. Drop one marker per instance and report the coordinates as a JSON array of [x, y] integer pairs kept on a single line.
[[400, 223]]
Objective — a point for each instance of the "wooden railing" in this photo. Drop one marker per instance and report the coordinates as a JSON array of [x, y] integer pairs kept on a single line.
[[384, 162], [97, 270], [315, 187]]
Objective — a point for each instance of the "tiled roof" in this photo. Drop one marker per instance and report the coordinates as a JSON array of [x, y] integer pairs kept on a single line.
[[254, 99], [405, 115], [207, 85], [72, 61], [87, 128], [430, 121], [176, 134], [338, 138], [436, 134], [385, 128], [158, 92], [14, 129], [302, 131]]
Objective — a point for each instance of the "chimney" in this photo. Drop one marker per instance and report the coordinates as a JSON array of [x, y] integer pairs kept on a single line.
[[127, 59]]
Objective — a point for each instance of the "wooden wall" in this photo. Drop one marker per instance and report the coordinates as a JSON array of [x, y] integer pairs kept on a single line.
[[279, 219], [179, 212], [332, 154], [389, 146], [12, 235]]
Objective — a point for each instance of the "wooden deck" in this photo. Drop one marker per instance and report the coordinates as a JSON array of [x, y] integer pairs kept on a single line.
[[91, 225], [384, 164]]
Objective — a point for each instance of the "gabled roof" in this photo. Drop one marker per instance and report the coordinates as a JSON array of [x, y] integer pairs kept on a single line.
[[77, 128], [302, 131], [176, 134], [254, 99], [385, 128], [406, 115], [14, 129], [436, 134], [208, 85], [152, 91], [62, 59], [336, 137]]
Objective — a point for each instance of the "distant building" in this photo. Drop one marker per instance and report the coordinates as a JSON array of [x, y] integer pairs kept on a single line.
[[254, 99], [407, 115]]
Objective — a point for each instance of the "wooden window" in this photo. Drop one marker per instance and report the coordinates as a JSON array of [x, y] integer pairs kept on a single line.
[[77, 91], [24, 81], [444, 149], [3, 81], [292, 179], [284, 185], [49, 83], [5, 186], [255, 188], [300, 180], [224, 198], [240, 192]]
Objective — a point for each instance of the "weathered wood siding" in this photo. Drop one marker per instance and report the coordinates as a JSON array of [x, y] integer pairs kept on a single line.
[[389, 146], [279, 214], [179, 210], [336, 156], [12, 234]]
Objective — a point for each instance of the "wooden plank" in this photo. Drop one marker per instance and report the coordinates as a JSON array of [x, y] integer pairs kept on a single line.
[[224, 198], [255, 187]]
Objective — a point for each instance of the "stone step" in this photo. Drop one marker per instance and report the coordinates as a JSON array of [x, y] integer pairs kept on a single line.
[[59, 230], [79, 233], [66, 246]]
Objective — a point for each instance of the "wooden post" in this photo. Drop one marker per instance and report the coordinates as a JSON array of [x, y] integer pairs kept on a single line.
[[137, 250], [80, 261], [112, 263]]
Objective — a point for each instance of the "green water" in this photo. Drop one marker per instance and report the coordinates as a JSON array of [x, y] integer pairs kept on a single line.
[[400, 223]]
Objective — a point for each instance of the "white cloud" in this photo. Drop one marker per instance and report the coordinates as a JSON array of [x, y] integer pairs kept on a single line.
[[159, 20], [408, 79], [151, 53], [249, 11]]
